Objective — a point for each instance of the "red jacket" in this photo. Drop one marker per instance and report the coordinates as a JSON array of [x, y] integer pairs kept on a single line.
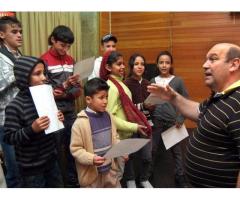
[[59, 69]]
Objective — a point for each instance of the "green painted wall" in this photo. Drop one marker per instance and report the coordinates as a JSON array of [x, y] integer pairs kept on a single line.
[[90, 34]]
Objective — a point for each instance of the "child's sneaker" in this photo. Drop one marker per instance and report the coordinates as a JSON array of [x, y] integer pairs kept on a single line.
[[131, 184], [146, 184]]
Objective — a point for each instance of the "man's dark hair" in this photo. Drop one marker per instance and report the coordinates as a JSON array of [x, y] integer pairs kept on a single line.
[[61, 33], [93, 86], [232, 53], [8, 20]]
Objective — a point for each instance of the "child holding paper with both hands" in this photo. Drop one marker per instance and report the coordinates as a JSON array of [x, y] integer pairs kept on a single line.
[[35, 150]]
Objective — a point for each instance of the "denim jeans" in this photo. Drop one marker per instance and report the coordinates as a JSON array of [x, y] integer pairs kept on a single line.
[[47, 179], [66, 160], [12, 177]]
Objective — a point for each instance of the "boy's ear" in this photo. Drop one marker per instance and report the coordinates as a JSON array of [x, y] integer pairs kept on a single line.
[[102, 48], [2, 35], [53, 40], [108, 68], [88, 99]]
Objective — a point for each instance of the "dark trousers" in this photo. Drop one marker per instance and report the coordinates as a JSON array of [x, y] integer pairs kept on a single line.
[[66, 160], [175, 150], [47, 179], [13, 178], [144, 167]]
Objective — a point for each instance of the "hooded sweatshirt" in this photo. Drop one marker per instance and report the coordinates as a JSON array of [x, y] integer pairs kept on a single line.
[[35, 152]]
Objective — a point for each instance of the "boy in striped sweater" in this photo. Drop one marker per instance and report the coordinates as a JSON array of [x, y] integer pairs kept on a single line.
[[23, 128], [93, 134]]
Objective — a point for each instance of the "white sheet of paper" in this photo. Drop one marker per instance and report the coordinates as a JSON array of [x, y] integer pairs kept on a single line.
[[126, 147], [174, 135], [46, 106], [84, 67], [153, 100]]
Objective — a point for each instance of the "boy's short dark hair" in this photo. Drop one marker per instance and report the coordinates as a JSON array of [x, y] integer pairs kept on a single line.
[[61, 33], [93, 86], [8, 20], [108, 37]]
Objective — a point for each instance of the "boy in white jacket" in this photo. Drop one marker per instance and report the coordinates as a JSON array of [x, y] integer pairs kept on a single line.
[[108, 43]]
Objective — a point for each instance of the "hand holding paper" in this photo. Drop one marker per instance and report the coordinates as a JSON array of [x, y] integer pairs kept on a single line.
[[40, 124], [46, 106], [60, 116], [59, 93], [141, 129], [71, 81], [174, 135], [98, 160]]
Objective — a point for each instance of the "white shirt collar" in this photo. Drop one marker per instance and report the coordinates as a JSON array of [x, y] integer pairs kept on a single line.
[[16, 54], [90, 110]]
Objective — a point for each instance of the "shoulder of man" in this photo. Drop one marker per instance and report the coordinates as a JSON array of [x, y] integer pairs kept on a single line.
[[8, 54], [98, 59], [6, 59]]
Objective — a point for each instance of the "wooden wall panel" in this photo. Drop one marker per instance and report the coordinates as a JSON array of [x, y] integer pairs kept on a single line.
[[141, 34], [104, 26], [104, 23], [188, 35]]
